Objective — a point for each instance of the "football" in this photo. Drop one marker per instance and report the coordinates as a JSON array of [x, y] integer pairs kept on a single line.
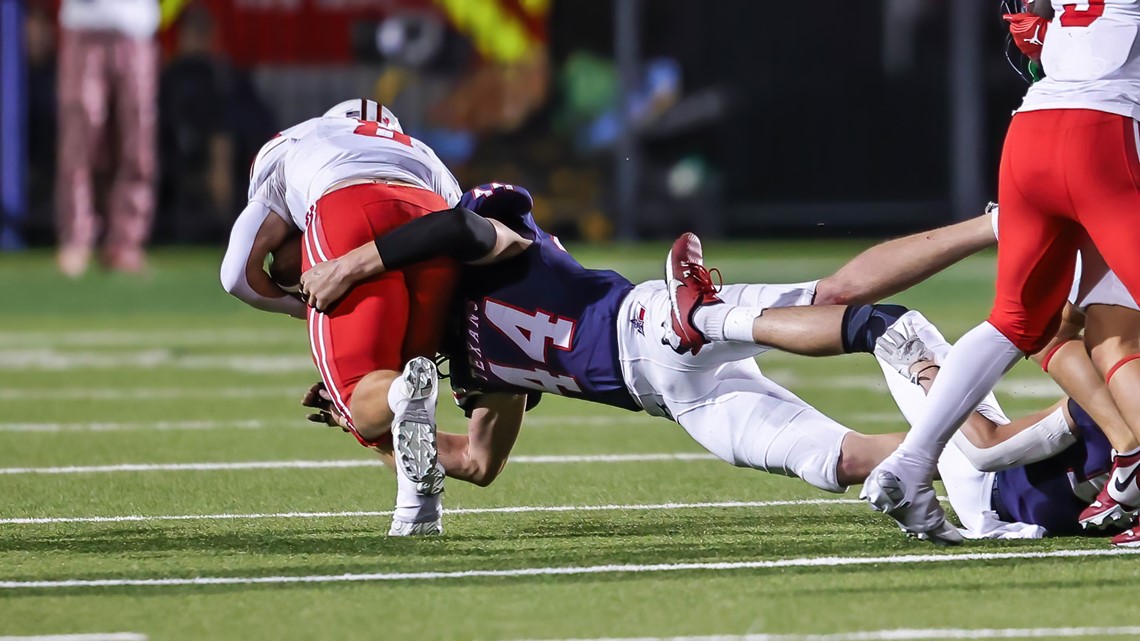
[[285, 263]]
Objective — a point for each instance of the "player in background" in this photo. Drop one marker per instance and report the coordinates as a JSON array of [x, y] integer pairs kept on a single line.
[[1069, 171], [340, 180]]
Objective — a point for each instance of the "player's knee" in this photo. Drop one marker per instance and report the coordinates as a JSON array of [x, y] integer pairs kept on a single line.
[[864, 324], [1026, 335]]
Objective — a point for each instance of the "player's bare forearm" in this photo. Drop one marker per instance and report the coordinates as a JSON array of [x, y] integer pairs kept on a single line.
[[480, 456], [455, 233], [897, 265]]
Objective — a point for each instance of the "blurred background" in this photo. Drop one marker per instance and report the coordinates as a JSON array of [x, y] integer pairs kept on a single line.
[[626, 118]]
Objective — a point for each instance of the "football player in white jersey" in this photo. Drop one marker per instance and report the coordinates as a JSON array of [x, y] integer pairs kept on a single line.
[[1070, 171], [338, 181]]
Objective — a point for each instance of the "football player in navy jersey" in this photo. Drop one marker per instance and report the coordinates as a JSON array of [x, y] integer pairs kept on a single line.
[[1043, 465]]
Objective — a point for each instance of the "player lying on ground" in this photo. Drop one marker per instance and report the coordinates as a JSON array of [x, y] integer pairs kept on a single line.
[[1069, 173], [1002, 499], [1096, 293], [339, 180]]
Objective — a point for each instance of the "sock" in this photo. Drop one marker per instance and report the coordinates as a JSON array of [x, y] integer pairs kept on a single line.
[[412, 507], [972, 368], [726, 322]]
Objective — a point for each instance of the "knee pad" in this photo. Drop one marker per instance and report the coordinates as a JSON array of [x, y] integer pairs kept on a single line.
[[864, 324]]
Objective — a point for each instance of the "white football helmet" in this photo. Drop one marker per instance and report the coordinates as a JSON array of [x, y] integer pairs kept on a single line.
[[365, 109]]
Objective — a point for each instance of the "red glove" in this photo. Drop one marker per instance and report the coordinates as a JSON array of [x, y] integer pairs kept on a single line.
[[1028, 33]]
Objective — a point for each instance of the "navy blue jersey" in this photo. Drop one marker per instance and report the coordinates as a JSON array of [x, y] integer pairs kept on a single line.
[[1052, 493], [537, 322]]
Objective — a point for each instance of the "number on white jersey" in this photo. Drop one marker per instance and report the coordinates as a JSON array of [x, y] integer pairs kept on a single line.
[[376, 130], [531, 331], [537, 379], [1082, 14]]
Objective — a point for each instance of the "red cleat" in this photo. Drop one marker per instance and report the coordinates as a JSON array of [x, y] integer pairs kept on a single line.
[[1106, 513], [690, 287], [1127, 539], [1116, 505]]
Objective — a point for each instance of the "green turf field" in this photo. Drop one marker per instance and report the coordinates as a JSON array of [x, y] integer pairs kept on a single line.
[[112, 371]]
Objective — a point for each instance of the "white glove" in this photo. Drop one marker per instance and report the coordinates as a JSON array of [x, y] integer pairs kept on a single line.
[[900, 347]]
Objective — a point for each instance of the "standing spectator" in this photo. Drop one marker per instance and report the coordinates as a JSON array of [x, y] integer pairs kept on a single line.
[[107, 74], [211, 124]]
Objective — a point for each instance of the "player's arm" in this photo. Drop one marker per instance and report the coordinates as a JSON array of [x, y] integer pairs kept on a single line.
[[897, 265], [257, 232], [991, 447], [480, 456], [457, 233]]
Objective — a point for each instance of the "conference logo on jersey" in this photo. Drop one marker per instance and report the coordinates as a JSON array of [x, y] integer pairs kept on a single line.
[[638, 319]]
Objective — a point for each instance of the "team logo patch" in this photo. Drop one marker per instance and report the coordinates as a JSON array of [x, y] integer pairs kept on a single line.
[[637, 319]]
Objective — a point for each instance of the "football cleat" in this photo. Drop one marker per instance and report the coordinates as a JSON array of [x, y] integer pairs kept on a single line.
[[690, 287], [1127, 539], [413, 428], [902, 490], [1114, 505], [404, 528]]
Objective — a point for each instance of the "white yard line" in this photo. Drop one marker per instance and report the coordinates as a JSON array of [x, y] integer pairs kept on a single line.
[[920, 634], [635, 507], [339, 464], [144, 394], [21, 360], [157, 426], [298, 422], [97, 636], [134, 338], [810, 562]]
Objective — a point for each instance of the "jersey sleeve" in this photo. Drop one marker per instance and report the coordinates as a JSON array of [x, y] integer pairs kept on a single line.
[[508, 204]]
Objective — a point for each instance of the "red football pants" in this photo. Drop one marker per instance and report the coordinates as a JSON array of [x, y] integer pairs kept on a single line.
[[1068, 176], [384, 321]]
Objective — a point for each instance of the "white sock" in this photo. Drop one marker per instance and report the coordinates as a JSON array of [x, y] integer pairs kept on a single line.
[[725, 322], [412, 507], [972, 368]]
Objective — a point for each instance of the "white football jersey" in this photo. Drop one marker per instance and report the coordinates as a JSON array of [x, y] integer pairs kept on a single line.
[[1091, 58], [326, 151]]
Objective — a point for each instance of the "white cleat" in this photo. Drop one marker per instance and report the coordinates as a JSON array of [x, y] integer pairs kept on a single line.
[[403, 528], [900, 489], [413, 428]]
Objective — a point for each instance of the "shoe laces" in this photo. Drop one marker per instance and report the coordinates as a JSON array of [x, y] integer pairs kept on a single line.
[[703, 278]]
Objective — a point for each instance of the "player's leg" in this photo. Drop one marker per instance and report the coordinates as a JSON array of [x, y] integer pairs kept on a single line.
[[431, 289], [749, 421], [1036, 259], [1113, 336], [83, 107], [897, 265], [134, 76], [772, 316], [358, 346], [1105, 178]]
